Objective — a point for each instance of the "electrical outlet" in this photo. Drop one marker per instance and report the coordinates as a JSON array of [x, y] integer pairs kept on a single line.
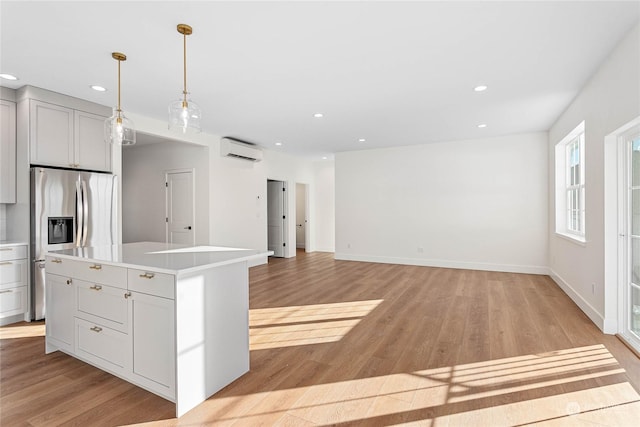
[[348, 245], [420, 249], [593, 288]]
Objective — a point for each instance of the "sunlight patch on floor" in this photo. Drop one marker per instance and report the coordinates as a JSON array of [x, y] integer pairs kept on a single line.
[[305, 324], [22, 330], [510, 391]]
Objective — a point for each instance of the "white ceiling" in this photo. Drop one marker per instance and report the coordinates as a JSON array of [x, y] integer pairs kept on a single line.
[[394, 73]]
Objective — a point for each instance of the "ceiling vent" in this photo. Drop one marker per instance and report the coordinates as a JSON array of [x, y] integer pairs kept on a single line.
[[231, 147]]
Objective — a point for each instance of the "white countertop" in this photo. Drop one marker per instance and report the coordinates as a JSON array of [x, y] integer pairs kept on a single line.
[[6, 243], [161, 257]]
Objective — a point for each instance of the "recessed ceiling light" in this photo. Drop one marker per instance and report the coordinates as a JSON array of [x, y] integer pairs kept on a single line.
[[482, 125], [8, 77], [278, 144], [361, 140], [324, 157], [480, 88], [318, 115], [98, 88]]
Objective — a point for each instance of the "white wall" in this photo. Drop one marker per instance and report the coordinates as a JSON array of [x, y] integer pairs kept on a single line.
[[324, 178], [301, 204], [609, 100], [143, 195], [237, 189], [478, 204]]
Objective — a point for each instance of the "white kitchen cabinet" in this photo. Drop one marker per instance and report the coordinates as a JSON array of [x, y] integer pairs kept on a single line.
[[102, 304], [186, 332], [7, 151], [91, 150], [153, 351], [62, 136], [104, 347], [60, 300], [13, 283]]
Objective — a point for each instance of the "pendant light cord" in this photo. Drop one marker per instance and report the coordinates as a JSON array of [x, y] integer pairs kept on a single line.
[[184, 38], [119, 87]]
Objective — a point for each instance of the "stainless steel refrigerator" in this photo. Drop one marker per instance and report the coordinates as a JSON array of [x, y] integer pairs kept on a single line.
[[68, 209]]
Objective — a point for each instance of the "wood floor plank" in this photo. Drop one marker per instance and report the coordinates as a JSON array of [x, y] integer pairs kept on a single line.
[[352, 343]]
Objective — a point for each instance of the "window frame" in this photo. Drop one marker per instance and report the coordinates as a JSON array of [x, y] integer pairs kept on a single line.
[[571, 186]]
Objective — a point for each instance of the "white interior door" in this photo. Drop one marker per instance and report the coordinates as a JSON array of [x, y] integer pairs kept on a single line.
[[302, 220], [180, 208], [631, 294], [276, 217]]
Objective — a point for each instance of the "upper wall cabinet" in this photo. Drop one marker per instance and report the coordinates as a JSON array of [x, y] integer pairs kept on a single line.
[[61, 136], [7, 151]]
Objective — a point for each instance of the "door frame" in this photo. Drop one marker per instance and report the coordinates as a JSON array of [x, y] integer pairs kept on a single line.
[[286, 223], [615, 229], [193, 201], [307, 233]]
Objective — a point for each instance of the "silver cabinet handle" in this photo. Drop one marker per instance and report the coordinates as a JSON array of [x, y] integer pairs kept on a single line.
[[147, 275], [6, 263], [95, 287], [127, 295], [188, 227], [6, 249], [6, 292], [96, 329], [95, 267], [57, 260]]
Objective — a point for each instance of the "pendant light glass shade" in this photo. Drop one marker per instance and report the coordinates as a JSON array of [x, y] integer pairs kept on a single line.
[[118, 129], [184, 114]]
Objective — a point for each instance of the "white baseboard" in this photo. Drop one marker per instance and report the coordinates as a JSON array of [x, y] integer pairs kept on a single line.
[[507, 268], [583, 304]]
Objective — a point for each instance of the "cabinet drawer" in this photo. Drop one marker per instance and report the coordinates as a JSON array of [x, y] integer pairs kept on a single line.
[[13, 273], [158, 284], [13, 252], [89, 271], [13, 301], [101, 345], [103, 304]]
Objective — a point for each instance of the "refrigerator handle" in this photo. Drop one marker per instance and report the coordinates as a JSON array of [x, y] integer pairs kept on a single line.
[[85, 213], [79, 214]]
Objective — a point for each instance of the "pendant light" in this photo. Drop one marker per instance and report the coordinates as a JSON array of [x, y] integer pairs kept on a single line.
[[119, 130], [184, 114]]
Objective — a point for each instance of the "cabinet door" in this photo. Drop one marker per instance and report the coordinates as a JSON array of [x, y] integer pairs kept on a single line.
[[13, 301], [152, 320], [60, 307], [7, 152], [102, 304], [51, 134], [91, 150]]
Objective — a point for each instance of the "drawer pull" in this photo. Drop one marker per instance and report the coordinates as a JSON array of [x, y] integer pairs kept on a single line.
[[95, 267], [96, 329], [6, 249], [6, 263], [95, 287], [69, 281], [147, 275], [6, 292], [127, 295], [56, 260]]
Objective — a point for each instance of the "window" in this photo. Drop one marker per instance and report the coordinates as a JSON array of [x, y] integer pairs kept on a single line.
[[570, 185]]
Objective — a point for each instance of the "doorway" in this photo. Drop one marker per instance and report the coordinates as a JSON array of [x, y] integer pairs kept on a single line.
[[630, 295], [276, 217], [302, 219], [179, 191]]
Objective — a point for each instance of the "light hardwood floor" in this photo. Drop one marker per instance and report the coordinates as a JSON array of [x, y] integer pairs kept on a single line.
[[348, 343]]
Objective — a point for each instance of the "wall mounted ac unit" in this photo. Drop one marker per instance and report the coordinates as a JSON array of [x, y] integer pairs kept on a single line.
[[231, 147]]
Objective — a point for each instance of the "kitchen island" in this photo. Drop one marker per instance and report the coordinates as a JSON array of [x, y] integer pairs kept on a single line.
[[169, 318]]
